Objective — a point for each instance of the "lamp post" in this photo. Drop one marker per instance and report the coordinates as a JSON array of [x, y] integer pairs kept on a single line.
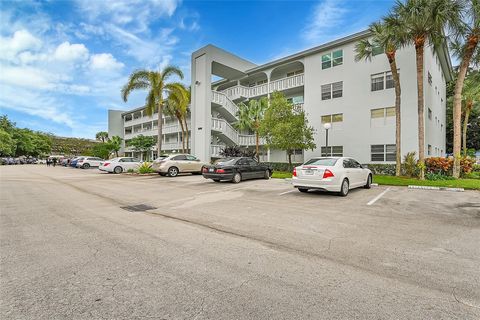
[[327, 126]]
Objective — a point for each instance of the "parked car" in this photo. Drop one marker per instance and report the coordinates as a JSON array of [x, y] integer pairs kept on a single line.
[[87, 162], [119, 165], [337, 174], [73, 162], [236, 169], [174, 164]]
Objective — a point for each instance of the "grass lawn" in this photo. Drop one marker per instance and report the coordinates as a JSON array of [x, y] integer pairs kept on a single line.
[[281, 174], [473, 184]]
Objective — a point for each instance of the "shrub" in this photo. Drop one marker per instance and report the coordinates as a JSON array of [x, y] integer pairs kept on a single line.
[[439, 165], [466, 164], [382, 168], [145, 167], [472, 175], [130, 171], [437, 176], [410, 164], [476, 168], [236, 151], [281, 166]]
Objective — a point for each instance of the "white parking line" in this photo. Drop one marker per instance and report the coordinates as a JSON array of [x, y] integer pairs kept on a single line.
[[378, 197], [281, 194]]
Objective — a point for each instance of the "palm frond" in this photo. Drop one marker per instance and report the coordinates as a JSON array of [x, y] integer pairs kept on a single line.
[[169, 71]]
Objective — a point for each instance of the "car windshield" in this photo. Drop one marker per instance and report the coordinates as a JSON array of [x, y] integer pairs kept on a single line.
[[226, 161], [329, 162]]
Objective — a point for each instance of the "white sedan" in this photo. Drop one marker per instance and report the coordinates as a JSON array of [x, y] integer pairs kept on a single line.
[[119, 165], [337, 174]]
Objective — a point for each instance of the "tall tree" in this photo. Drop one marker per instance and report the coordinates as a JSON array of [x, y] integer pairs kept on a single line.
[[142, 144], [177, 106], [250, 118], [156, 82], [285, 129], [115, 144], [101, 136], [471, 97], [385, 38], [423, 23], [465, 45]]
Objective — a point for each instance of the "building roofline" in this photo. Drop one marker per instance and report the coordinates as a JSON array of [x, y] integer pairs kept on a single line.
[[307, 52]]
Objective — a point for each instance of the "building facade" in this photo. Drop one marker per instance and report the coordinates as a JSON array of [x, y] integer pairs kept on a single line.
[[355, 97]]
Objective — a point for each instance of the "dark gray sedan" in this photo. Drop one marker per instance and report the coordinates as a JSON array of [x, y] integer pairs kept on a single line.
[[236, 169]]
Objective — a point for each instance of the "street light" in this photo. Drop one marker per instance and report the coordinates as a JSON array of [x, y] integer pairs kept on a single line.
[[327, 126]]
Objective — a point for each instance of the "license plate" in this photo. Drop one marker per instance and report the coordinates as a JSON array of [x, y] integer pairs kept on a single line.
[[210, 170], [308, 172]]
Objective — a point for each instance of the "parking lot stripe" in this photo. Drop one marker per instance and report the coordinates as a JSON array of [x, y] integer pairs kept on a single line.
[[377, 197], [281, 194]]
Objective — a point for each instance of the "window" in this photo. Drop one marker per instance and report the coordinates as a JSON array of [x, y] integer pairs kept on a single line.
[[429, 114], [382, 152], [191, 158], [429, 150], [429, 78], [379, 81], [334, 58], [179, 157], [252, 162], [293, 73], [261, 82], [330, 90], [328, 162], [298, 152], [376, 50], [330, 118], [382, 113], [332, 151]]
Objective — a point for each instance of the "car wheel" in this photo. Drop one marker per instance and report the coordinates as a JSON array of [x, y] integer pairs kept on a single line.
[[266, 175], [302, 190], [86, 166], [118, 170], [237, 178], [345, 188], [172, 171], [369, 182]]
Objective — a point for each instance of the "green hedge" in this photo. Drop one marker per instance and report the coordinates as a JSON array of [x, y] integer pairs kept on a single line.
[[383, 169], [281, 166]]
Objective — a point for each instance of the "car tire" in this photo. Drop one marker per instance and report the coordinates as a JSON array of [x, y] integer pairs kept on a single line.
[[172, 172], [237, 177], [302, 190], [266, 175], [344, 188], [118, 170], [216, 180], [369, 182], [86, 166]]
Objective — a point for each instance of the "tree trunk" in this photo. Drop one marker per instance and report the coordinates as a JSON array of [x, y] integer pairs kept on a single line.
[[421, 118], [160, 124], [398, 119], [257, 143], [468, 108], [457, 106], [183, 133], [186, 134], [289, 160]]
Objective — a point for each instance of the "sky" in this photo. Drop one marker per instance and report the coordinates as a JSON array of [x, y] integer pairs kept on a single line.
[[63, 63]]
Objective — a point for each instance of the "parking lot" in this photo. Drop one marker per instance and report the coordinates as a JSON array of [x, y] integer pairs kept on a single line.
[[80, 244]]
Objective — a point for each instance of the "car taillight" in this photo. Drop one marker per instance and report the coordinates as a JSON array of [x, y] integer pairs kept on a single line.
[[327, 174], [80, 160], [205, 169], [220, 171], [106, 164], [294, 173]]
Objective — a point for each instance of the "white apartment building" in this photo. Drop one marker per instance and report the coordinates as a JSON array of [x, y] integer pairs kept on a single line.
[[356, 97]]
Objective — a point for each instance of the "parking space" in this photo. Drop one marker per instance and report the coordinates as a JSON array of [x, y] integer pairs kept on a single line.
[[412, 243]]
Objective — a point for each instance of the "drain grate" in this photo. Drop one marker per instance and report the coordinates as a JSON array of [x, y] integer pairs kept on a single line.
[[138, 208]]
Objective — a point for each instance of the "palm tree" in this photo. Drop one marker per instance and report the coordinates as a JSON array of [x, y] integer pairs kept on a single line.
[[177, 106], [422, 23], [385, 37], [250, 117], [465, 46], [116, 143], [101, 136], [471, 96], [158, 91]]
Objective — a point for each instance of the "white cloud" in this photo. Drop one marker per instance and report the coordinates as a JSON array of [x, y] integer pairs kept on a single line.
[[105, 61], [71, 52], [327, 15], [20, 41]]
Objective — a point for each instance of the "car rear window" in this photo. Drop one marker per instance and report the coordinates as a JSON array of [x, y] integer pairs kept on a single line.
[[226, 161], [328, 162]]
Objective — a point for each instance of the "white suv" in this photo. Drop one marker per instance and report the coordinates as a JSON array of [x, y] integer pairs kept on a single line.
[[88, 162]]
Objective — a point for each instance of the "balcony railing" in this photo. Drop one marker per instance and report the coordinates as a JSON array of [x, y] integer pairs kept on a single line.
[[240, 91], [215, 150], [221, 99], [225, 128]]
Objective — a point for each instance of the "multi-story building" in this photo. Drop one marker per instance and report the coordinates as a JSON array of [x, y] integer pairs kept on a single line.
[[355, 97]]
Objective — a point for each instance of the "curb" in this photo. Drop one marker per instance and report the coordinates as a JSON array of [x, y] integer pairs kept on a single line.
[[436, 188]]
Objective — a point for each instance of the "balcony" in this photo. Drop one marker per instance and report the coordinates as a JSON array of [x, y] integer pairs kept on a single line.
[[242, 92]]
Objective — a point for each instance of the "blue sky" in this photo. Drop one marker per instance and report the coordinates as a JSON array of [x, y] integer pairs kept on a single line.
[[62, 63]]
